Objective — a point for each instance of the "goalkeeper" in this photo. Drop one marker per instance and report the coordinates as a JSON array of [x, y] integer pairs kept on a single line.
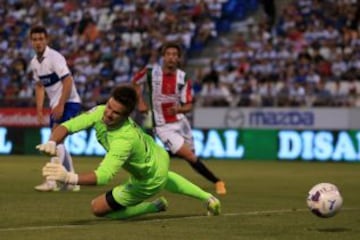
[[127, 147]]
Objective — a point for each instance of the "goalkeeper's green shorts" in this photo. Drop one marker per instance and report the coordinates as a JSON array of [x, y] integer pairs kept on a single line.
[[133, 191]]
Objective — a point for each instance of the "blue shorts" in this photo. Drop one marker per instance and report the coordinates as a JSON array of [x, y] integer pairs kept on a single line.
[[70, 111]]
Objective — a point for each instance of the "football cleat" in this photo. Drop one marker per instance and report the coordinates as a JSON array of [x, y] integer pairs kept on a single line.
[[220, 188], [47, 187], [213, 206], [71, 188], [161, 204]]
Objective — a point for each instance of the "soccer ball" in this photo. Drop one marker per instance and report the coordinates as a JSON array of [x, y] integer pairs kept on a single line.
[[324, 200]]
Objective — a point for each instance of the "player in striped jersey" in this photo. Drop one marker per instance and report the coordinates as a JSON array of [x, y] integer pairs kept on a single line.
[[170, 98], [52, 76]]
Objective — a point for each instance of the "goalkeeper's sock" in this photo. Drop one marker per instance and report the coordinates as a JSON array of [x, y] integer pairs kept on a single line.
[[137, 210], [199, 167], [180, 185]]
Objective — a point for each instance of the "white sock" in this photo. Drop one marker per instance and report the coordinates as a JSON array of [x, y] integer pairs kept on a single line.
[[70, 161], [58, 159], [65, 157], [60, 154]]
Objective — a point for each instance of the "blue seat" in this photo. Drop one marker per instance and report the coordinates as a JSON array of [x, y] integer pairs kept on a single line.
[[223, 25]]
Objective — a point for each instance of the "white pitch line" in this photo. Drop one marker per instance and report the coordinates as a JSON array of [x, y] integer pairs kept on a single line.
[[251, 213], [38, 228]]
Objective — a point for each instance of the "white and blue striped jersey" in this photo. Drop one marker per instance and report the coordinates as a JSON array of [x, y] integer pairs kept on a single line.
[[50, 70]]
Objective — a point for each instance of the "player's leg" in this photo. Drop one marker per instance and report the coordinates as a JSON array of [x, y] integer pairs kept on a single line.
[[180, 185], [125, 202], [70, 110], [66, 161], [178, 139], [61, 153], [63, 156], [51, 185], [197, 164], [48, 185]]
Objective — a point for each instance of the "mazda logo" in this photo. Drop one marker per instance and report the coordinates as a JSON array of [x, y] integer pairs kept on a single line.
[[234, 118]]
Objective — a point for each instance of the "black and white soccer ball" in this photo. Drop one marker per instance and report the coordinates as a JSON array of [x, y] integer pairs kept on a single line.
[[324, 200]]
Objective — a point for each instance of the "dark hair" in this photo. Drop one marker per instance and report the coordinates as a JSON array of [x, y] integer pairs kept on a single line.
[[126, 95], [168, 45], [38, 29]]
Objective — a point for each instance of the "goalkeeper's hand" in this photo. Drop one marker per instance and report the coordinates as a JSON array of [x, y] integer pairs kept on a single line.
[[57, 172], [48, 148]]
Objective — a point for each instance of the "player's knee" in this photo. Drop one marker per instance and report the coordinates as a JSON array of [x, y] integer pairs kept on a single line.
[[96, 209]]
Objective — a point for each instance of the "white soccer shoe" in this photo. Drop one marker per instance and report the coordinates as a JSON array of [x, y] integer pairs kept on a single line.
[[47, 187], [54, 187]]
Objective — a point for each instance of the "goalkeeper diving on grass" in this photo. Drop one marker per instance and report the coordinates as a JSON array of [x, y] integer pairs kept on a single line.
[[127, 147]]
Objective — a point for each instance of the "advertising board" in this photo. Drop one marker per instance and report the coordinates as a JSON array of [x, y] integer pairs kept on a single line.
[[232, 144]]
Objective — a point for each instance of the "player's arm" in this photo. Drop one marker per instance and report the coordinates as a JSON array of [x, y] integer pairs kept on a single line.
[[84, 120], [185, 108], [87, 179], [81, 122], [109, 166], [142, 106], [186, 99], [119, 151], [56, 171], [58, 110], [66, 91], [39, 98], [62, 71], [138, 83]]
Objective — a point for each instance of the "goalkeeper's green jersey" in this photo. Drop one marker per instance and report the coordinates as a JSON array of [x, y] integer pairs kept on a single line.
[[127, 146]]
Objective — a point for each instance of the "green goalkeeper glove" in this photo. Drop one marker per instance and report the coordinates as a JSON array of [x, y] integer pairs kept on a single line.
[[48, 148], [57, 172]]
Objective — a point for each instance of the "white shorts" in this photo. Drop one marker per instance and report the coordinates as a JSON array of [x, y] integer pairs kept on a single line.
[[174, 135]]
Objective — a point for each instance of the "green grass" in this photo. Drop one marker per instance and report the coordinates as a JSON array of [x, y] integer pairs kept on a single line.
[[265, 201]]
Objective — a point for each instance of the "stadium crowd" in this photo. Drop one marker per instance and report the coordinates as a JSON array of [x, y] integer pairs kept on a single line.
[[104, 42], [310, 56]]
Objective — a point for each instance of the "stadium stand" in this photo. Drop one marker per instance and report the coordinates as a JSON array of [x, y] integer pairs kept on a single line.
[[309, 57], [105, 42]]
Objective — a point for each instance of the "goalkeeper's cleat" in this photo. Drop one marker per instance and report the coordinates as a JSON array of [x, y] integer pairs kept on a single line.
[[47, 186], [161, 204], [220, 188], [213, 206], [71, 188]]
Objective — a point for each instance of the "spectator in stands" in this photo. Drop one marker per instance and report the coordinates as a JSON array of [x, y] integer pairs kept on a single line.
[[297, 94], [352, 92], [25, 95], [339, 94], [268, 94], [323, 95]]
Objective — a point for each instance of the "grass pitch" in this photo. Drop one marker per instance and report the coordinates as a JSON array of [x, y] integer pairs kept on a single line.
[[265, 200]]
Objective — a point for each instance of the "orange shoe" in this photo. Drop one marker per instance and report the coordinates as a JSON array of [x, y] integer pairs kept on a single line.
[[220, 188]]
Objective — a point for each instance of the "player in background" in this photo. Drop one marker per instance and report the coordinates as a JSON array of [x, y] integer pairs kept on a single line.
[[52, 75], [129, 148], [170, 99]]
